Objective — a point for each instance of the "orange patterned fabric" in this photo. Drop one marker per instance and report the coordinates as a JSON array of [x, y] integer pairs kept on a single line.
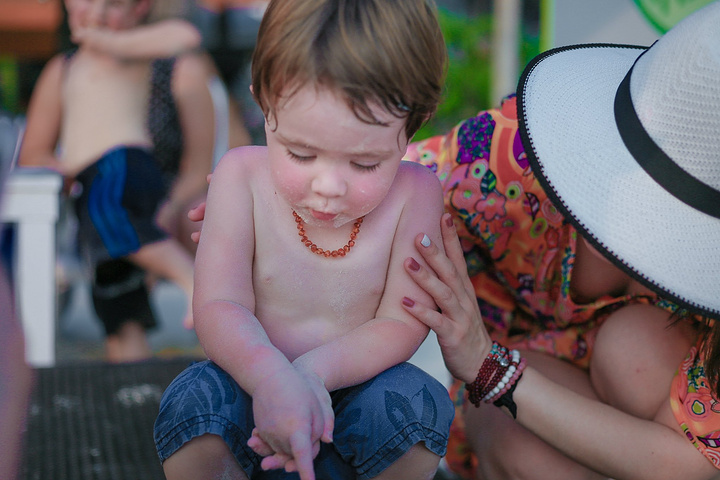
[[519, 249], [695, 409]]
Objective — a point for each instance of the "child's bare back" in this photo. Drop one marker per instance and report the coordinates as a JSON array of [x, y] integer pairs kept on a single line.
[[104, 105]]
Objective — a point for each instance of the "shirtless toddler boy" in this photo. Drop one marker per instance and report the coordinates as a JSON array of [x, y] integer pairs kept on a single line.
[[299, 272]]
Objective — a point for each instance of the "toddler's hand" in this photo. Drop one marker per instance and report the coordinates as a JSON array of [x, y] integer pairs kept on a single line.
[[290, 422], [272, 459], [323, 396]]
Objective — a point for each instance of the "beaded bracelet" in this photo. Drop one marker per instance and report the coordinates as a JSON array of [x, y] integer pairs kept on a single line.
[[506, 400], [491, 373], [514, 376], [500, 373], [505, 380], [484, 375], [497, 378]]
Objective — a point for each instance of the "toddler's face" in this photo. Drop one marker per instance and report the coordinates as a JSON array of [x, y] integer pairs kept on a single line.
[[330, 166], [110, 14]]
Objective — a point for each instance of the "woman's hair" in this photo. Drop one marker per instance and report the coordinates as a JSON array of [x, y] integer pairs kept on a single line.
[[385, 52], [709, 331], [711, 353]]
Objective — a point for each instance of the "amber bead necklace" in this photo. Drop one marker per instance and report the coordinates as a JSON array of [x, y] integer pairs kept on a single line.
[[340, 252]]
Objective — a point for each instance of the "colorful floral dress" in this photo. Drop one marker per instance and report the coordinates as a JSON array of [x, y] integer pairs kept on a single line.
[[520, 254]]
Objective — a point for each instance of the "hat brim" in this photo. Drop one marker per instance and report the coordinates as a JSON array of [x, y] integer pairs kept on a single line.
[[566, 114]]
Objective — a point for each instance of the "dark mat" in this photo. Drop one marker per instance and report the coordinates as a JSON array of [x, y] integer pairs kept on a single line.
[[95, 421]]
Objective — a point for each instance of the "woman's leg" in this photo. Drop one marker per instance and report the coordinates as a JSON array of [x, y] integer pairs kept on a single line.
[[644, 337]]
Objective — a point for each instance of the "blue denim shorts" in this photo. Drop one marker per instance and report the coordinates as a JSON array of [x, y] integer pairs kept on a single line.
[[376, 422]]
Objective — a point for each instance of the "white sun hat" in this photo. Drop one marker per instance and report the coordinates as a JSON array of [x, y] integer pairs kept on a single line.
[[626, 141]]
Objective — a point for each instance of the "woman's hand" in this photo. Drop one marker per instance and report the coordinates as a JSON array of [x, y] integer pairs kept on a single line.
[[462, 336]]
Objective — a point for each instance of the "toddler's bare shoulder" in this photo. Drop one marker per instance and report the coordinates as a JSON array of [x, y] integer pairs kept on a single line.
[[243, 161], [418, 178]]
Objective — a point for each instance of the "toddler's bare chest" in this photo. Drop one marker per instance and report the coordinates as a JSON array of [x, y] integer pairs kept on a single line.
[[324, 290]]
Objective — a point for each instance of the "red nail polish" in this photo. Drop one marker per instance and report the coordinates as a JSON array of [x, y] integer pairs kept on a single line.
[[449, 221], [414, 266], [408, 302]]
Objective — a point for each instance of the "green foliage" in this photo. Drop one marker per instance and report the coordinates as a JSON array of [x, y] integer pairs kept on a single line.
[[8, 85], [469, 76]]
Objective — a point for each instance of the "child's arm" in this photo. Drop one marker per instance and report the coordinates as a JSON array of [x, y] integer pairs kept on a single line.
[[394, 335], [165, 38], [196, 115], [44, 114], [287, 411]]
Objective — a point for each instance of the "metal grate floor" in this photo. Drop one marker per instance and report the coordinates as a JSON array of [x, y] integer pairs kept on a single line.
[[95, 421]]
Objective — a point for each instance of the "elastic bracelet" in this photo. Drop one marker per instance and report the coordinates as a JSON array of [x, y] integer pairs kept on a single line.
[[514, 376], [506, 400], [494, 381], [500, 386], [505, 381], [493, 370], [483, 377]]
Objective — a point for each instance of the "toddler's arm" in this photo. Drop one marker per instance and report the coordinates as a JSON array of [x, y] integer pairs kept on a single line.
[[165, 38], [288, 412]]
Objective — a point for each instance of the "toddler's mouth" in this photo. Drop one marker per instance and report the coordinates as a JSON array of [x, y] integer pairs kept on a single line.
[[323, 216]]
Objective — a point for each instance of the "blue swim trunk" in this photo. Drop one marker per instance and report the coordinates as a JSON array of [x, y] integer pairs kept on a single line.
[[376, 422], [121, 193]]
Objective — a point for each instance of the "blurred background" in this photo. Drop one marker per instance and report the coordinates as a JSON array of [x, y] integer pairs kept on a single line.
[[489, 43]]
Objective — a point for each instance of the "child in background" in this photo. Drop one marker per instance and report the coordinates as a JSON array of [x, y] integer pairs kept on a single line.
[[299, 274], [94, 117]]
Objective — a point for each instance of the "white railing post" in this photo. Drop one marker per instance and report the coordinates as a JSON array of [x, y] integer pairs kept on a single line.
[[31, 201]]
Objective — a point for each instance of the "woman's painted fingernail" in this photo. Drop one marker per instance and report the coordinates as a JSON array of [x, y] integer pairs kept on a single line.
[[408, 302], [425, 242], [414, 266], [449, 221]]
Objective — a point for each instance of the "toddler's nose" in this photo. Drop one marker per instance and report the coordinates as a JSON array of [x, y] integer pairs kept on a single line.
[[329, 184]]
